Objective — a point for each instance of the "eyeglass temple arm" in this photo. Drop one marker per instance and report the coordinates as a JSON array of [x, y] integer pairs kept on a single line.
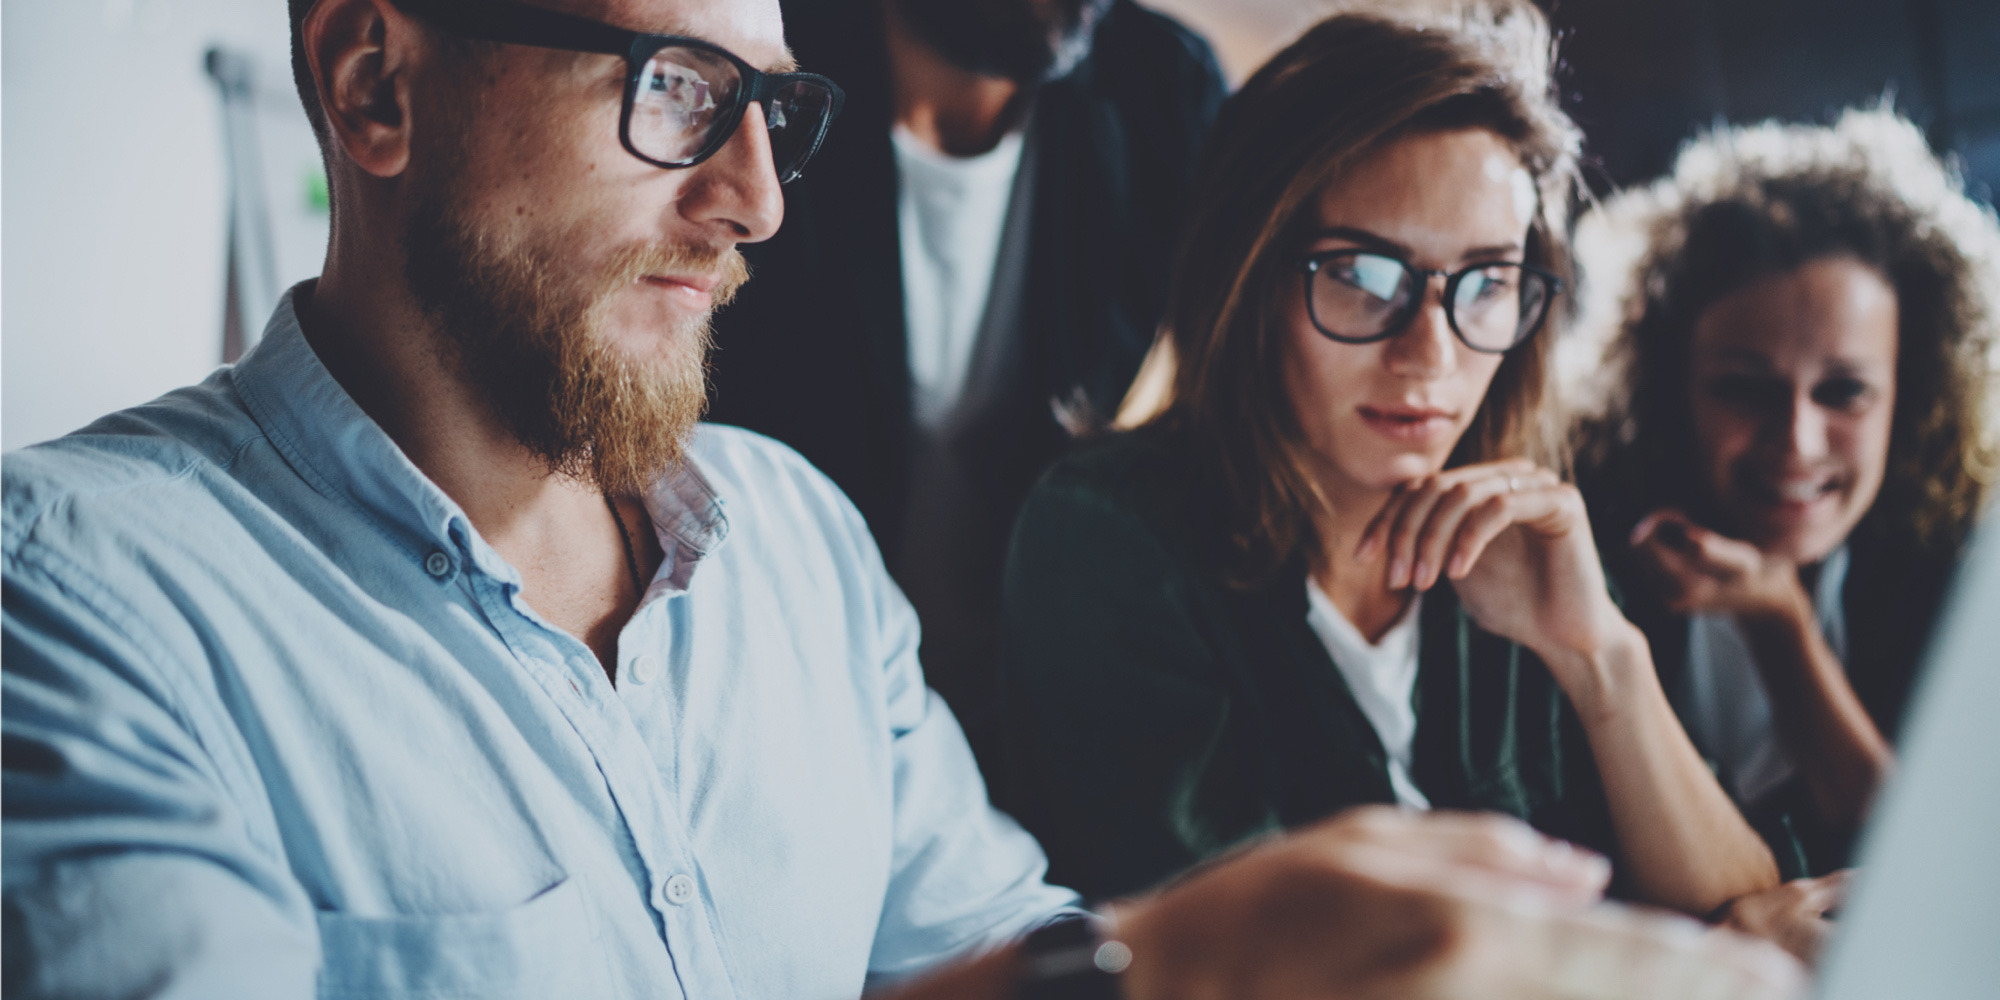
[[765, 86], [522, 24]]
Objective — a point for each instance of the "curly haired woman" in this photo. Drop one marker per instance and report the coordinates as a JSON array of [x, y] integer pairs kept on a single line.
[[1795, 437]]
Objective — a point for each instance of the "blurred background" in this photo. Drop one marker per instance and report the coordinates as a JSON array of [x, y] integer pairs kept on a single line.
[[156, 196]]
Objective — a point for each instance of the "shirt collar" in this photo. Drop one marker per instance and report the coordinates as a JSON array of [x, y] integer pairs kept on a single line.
[[689, 521], [345, 456]]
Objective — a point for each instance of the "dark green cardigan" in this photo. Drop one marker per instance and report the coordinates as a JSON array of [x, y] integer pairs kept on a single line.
[[1157, 716]]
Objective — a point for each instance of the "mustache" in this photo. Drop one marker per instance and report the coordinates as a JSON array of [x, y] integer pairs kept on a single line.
[[724, 264]]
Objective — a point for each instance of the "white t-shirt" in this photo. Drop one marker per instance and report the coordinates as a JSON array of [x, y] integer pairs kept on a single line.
[[1729, 714], [952, 213], [1383, 678]]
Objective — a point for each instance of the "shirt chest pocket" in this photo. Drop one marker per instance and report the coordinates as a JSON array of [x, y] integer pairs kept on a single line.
[[545, 947]]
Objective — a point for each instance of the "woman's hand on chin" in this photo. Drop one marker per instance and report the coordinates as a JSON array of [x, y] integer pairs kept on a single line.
[[1703, 571], [1515, 542]]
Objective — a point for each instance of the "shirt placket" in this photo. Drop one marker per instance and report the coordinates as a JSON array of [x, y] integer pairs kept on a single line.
[[570, 675]]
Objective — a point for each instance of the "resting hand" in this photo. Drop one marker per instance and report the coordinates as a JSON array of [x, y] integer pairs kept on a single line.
[[1793, 915], [1514, 541], [1702, 571], [1383, 903]]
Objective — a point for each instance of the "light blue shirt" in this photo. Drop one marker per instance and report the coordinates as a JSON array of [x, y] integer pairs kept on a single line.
[[278, 722]]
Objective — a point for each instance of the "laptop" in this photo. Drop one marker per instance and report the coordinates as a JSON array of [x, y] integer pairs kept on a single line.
[[1923, 919]]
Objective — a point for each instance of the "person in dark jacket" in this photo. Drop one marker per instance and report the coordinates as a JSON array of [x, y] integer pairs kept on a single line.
[[1338, 569], [1790, 443], [970, 272]]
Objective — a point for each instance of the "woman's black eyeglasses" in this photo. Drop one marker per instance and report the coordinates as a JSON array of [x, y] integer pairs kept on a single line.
[[684, 97], [1359, 297]]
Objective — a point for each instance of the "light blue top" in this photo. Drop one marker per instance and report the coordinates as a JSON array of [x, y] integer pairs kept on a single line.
[[277, 721]]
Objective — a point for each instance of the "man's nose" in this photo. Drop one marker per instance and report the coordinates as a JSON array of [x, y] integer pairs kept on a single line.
[[1426, 348], [737, 189]]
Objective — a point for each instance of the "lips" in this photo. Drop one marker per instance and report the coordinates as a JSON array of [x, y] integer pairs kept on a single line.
[[696, 290], [1790, 490], [1805, 492], [1407, 422], [703, 283]]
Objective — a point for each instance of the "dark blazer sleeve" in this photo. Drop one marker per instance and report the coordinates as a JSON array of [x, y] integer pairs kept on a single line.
[[1120, 745]]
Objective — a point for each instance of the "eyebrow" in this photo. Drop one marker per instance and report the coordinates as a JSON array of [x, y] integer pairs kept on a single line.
[[1834, 366], [1376, 241]]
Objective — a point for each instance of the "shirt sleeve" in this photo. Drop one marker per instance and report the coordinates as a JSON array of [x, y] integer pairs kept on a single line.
[[964, 877], [1121, 744], [129, 871]]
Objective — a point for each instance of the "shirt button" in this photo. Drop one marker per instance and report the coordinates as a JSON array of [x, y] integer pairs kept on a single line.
[[643, 668], [438, 564], [680, 889]]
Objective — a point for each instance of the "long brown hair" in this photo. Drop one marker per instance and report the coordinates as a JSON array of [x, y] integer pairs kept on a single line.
[[1351, 84]]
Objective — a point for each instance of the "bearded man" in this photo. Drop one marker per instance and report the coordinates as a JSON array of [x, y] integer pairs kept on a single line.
[[433, 650], [970, 274]]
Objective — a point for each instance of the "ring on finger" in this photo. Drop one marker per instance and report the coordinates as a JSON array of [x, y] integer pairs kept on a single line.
[[1513, 484]]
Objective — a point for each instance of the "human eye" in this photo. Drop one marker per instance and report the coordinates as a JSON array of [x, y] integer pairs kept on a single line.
[[1489, 283], [680, 89], [1843, 393], [1754, 392], [1378, 276]]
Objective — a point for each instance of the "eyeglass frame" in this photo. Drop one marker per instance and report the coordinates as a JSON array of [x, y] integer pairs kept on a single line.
[[1309, 265], [515, 23]]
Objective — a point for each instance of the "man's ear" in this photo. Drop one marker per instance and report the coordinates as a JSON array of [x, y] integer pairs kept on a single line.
[[359, 52]]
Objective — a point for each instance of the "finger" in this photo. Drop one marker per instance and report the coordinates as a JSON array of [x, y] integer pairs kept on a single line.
[[1679, 570], [1716, 554], [1496, 845], [1646, 526], [1545, 507], [1666, 522], [1409, 527], [1721, 555], [1613, 951], [1436, 540], [1378, 525], [1676, 578], [1401, 539], [1825, 893], [1512, 948], [1673, 559], [1480, 528]]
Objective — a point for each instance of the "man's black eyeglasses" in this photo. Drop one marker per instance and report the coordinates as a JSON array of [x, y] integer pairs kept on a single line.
[[1359, 297], [684, 97]]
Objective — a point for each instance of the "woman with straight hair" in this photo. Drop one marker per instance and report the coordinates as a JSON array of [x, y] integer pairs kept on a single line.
[[1339, 567]]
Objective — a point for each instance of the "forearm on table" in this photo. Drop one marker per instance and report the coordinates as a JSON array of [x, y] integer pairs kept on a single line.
[[1819, 718], [1684, 842]]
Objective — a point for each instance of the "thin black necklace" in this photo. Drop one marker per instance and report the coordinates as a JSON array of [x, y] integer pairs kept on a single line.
[[631, 558]]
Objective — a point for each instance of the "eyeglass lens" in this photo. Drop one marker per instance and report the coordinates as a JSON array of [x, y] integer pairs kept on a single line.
[[685, 94], [798, 112], [1361, 295]]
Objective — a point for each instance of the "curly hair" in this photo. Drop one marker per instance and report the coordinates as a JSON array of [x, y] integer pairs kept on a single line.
[[1744, 203], [1355, 82]]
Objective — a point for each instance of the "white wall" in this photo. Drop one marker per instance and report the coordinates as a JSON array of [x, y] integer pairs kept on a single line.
[[1244, 33], [114, 198]]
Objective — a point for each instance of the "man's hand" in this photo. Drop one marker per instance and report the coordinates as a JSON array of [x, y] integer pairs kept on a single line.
[[1701, 571], [1383, 903], [1793, 915]]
